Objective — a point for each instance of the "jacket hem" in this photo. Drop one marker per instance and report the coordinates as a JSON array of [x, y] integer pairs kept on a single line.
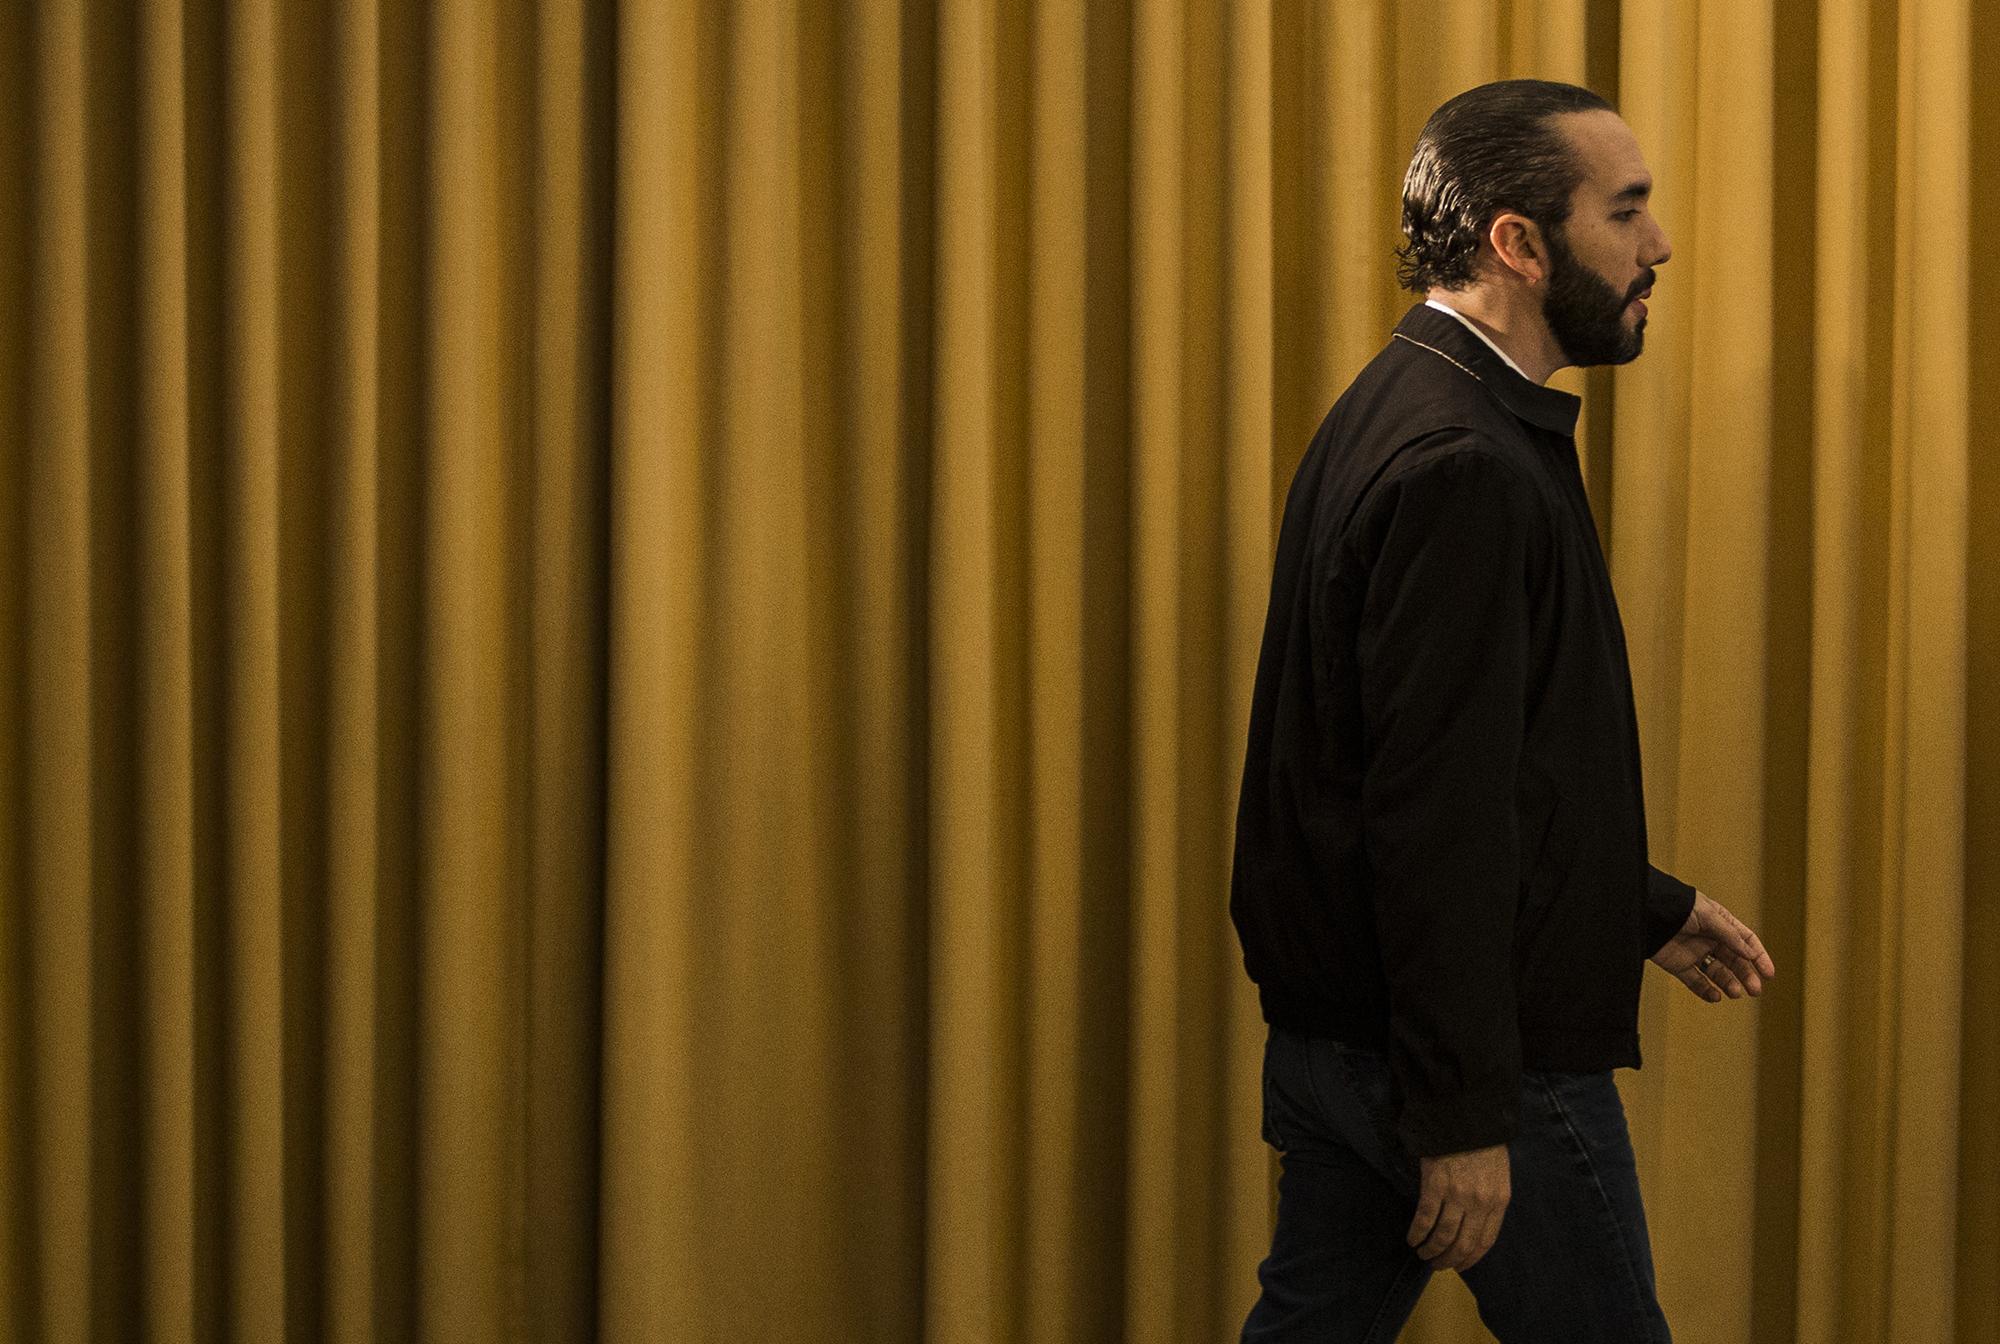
[[1555, 1047]]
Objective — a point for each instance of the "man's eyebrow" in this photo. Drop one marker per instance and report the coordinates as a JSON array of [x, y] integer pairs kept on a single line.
[[1637, 191]]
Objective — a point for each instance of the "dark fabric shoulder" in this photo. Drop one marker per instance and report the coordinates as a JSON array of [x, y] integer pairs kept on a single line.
[[1454, 448], [1449, 476]]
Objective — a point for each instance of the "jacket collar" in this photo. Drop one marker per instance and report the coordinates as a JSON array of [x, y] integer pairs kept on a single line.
[[1551, 408]]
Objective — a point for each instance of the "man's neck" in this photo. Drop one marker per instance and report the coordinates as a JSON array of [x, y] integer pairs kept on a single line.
[[1511, 320]]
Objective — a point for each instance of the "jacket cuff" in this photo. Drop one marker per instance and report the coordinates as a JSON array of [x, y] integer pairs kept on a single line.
[[1458, 1124], [1669, 901]]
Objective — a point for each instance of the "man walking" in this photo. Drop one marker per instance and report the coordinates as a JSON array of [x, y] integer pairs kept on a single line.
[[1441, 880]]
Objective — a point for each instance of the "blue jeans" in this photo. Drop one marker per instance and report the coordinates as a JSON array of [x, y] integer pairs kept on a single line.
[[1572, 1262]]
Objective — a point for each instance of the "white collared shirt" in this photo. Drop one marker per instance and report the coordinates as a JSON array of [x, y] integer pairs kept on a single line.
[[1473, 327]]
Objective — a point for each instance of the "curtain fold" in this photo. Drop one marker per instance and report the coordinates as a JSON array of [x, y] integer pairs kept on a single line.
[[630, 631]]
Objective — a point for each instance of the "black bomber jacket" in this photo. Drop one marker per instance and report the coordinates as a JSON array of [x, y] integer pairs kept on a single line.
[[1440, 843]]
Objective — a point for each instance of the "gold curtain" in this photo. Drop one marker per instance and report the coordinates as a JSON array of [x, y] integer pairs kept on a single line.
[[630, 629]]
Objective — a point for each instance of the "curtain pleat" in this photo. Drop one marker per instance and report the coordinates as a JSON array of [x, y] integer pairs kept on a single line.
[[1722, 684], [974, 1081], [57, 916], [1929, 600], [1243, 555], [20, 1292], [1065, 372], [176, 1133], [1976, 1284], [631, 629]]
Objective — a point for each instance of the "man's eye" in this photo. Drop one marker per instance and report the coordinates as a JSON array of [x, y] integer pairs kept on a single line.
[[1626, 214]]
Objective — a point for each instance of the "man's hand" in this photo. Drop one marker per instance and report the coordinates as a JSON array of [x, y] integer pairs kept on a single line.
[[1464, 1198], [1715, 953]]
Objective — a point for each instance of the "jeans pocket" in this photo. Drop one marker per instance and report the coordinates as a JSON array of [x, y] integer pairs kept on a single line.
[[1363, 1076], [1283, 1126], [1271, 1134]]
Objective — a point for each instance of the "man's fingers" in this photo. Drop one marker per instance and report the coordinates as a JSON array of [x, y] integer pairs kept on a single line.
[[1735, 970], [1452, 1256], [1481, 1240], [1459, 1195], [1746, 944], [1443, 1234], [1470, 1243], [1696, 981], [1427, 1212], [1722, 978], [1492, 1236], [1725, 978]]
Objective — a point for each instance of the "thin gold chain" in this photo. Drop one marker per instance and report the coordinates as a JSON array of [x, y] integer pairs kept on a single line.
[[1434, 350]]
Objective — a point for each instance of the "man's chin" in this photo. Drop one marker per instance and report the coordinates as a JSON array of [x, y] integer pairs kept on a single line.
[[1624, 354], [1634, 341]]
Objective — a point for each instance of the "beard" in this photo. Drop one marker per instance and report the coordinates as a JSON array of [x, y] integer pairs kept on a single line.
[[1585, 314]]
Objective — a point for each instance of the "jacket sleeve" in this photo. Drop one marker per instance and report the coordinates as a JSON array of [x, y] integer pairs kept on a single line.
[[1442, 648], [1669, 901]]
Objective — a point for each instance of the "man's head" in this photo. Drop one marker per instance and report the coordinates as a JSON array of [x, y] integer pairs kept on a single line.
[[1536, 193]]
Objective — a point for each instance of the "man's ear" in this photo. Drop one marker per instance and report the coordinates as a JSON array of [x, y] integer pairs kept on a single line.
[[1517, 243]]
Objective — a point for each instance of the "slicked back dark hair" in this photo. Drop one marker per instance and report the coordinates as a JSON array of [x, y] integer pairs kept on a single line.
[[1491, 148]]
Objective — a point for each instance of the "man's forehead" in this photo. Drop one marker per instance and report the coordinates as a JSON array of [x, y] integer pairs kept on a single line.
[[1608, 152]]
